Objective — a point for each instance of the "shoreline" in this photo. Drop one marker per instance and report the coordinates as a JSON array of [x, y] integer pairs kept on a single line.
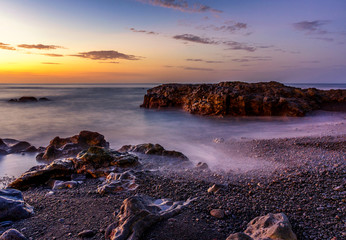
[[307, 185]]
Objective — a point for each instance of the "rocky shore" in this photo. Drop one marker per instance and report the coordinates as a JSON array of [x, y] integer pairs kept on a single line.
[[244, 99], [161, 195]]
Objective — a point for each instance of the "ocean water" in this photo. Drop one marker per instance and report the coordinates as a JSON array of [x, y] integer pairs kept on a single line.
[[113, 110]]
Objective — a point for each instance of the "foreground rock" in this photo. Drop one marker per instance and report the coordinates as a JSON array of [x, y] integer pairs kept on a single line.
[[242, 99], [9, 146], [69, 147], [271, 227], [12, 206], [12, 234], [153, 149], [26, 99], [94, 162], [138, 213]]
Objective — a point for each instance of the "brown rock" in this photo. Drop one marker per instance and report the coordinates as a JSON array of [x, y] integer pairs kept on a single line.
[[218, 213], [242, 99]]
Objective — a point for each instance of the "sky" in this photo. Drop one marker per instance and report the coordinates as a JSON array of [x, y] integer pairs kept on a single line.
[[161, 41]]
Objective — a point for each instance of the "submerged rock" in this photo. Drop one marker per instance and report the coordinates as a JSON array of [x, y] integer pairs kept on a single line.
[[271, 227], [69, 147], [12, 205], [12, 234], [139, 213], [9, 146], [242, 99], [153, 149]]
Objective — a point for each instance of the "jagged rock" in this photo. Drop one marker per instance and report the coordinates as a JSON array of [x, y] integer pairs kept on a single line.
[[271, 227], [12, 234], [138, 213], [116, 182], [69, 147], [12, 205], [94, 158], [58, 169], [153, 149], [242, 99], [8, 146]]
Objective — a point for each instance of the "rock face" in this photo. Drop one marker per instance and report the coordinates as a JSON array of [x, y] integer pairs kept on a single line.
[[138, 213], [271, 227], [12, 234], [9, 146], [69, 147], [242, 99], [12, 206], [153, 149]]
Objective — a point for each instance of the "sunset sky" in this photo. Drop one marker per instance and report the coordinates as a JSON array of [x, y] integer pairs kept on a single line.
[[136, 41]]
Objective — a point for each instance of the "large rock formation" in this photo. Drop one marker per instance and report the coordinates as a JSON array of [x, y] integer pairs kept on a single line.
[[270, 227], [69, 147], [138, 213], [12, 206], [242, 99]]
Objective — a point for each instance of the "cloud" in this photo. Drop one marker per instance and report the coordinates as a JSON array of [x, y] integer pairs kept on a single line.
[[197, 69], [232, 45], [39, 46], [105, 55], [229, 26], [252, 59], [51, 63], [313, 27], [111, 62], [181, 5], [52, 55], [194, 38], [201, 60], [5, 46], [144, 31]]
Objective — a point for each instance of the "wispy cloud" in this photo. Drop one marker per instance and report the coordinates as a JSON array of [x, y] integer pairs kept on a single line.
[[252, 59], [105, 55], [198, 69], [231, 45], [39, 46], [110, 62], [52, 55], [315, 28], [181, 5], [144, 31], [229, 26], [6, 46], [50, 63], [201, 60]]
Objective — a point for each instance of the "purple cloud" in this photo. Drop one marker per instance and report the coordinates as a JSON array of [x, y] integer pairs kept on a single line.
[[143, 31], [181, 5], [39, 46], [105, 55]]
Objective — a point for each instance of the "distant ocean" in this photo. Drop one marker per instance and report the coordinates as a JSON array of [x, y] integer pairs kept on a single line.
[[113, 110]]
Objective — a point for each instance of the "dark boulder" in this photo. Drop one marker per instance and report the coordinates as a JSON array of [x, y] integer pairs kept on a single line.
[[12, 206], [8, 146], [153, 149], [71, 146], [12, 234]]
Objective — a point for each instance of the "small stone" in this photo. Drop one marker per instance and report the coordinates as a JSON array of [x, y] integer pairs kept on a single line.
[[86, 234], [12, 234], [215, 188], [202, 166], [218, 213]]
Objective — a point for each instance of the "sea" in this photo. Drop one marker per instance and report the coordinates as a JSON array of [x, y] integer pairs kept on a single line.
[[113, 110]]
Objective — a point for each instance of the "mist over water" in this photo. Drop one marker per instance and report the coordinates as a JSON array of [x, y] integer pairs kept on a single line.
[[113, 110]]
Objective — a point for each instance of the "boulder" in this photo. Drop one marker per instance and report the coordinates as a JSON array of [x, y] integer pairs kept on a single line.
[[12, 234], [139, 213], [12, 206], [58, 169], [271, 227], [153, 149], [8, 146], [117, 182], [69, 147], [242, 99]]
